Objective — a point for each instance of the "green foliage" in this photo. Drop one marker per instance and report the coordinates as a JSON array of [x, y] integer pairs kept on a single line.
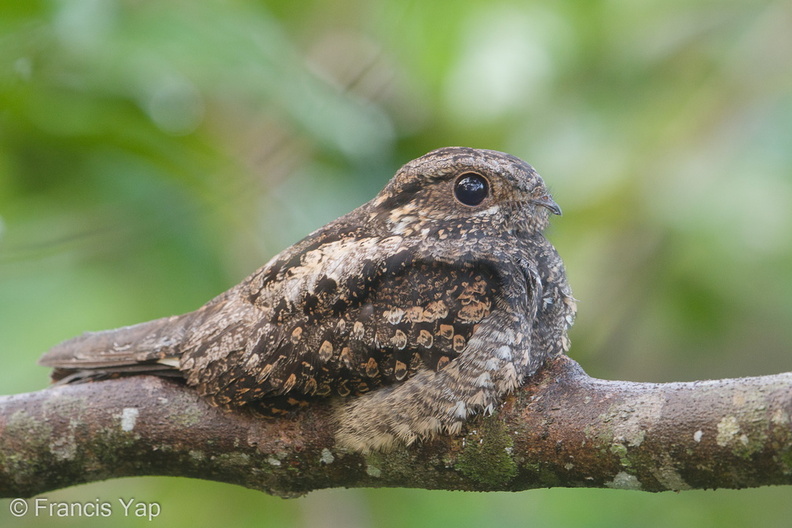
[[154, 153]]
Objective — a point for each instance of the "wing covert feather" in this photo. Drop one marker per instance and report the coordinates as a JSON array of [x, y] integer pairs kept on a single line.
[[359, 323]]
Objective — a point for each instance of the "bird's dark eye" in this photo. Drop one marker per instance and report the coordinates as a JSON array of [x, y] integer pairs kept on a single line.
[[471, 188]]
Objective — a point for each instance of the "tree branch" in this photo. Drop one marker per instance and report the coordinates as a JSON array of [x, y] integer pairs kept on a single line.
[[563, 428]]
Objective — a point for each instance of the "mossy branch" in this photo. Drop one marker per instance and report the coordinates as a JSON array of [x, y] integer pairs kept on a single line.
[[563, 428]]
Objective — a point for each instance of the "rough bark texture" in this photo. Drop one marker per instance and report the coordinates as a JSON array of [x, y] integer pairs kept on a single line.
[[562, 429]]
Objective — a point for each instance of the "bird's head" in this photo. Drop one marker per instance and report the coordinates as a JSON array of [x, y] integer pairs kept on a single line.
[[465, 190]]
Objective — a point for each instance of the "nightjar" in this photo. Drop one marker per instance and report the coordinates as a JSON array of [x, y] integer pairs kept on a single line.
[[416, 310]]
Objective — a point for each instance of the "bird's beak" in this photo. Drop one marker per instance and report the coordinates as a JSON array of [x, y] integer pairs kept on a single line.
[[546, 201]]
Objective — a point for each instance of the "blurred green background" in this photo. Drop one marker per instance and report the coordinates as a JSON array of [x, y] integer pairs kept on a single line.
[[152, 154]]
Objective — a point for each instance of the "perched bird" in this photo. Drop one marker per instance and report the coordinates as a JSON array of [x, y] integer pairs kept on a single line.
[[416, 310]]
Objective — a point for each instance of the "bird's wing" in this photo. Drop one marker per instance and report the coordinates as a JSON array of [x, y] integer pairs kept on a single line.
[[498, 356], [340, 317]]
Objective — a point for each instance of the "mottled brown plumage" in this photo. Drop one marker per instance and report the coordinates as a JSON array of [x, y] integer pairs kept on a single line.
[[424, 306]]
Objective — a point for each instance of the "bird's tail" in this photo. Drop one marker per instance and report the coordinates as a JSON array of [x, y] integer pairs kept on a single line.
[[150, 347]]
